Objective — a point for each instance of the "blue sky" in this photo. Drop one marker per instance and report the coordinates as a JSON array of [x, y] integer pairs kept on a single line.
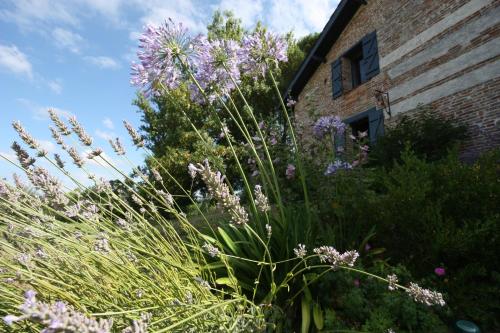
[[74, 56]]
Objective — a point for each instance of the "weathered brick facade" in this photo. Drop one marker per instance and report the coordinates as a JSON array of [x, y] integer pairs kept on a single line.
[[442, 53]]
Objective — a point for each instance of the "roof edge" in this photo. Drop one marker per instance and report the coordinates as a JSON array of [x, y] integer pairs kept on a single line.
[[329, 35]]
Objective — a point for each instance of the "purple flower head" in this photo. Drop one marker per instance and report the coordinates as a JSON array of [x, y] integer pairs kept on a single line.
[[290, 171], [328, 124], [215, 66], [440, 271], [337, 165], [262, 51], [161, 49], [290, 102]]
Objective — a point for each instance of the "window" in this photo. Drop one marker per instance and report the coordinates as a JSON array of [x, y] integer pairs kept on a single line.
[[354, 57], [371, 121], [358, 65]]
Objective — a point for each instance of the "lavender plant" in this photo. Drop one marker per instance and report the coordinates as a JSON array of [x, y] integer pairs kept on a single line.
[[102, 259]]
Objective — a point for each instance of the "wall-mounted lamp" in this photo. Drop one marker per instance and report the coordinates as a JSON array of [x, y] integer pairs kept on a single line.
[[383, 101]]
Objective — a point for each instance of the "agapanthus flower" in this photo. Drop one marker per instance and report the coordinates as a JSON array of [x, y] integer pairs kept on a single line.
[[161, 48], [261, 201], [328, 125], [425, 296], [221, 193], [336, 166], [261, 52], [300, 251], [57, 317], [216, 66], [330, 255]]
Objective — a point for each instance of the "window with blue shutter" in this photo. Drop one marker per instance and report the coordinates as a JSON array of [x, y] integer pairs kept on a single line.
[[371, 121], [336, 78], [376, 124], [370, 62]]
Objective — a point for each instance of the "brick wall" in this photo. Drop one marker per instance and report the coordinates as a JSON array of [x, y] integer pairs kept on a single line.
[[443, 53]]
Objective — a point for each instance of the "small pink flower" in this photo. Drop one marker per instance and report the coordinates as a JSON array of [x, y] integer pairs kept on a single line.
[[290, 171], [367, 247], [356, 282], [440, 271]]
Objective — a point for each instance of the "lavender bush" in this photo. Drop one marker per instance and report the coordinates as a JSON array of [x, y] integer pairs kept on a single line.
[[127, 258]]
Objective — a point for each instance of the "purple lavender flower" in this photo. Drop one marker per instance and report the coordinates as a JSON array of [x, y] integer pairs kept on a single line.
[[262, 51], [328, 124], [216, 66], [57, 317], [290, 171], [290, 103], [162, 48], [337, 165]]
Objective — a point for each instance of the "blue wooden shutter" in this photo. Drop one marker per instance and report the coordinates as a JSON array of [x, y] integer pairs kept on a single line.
[[336, 78], [376, 124], [370, 62]]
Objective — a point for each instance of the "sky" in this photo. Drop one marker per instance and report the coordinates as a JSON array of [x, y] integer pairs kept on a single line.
[[74, 56]]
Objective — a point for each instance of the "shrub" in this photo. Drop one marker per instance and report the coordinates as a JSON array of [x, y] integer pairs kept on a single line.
[[425, 132], [428, 215]]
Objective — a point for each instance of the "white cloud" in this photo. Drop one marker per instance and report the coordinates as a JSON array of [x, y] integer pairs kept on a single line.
[[105, 135], [249, 11], [40, 112], [302, 17], [108, 123], [67, 39], [7, 155], [103, 62], [33, 14], [47, 145], [192, 15], [12, 59], [55, 86]]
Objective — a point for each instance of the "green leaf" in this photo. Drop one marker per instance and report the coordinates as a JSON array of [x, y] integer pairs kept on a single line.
[[229, 242], [318, 316], [306, 315]]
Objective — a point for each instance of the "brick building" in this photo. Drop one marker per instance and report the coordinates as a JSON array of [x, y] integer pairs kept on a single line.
[[440, 53]]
